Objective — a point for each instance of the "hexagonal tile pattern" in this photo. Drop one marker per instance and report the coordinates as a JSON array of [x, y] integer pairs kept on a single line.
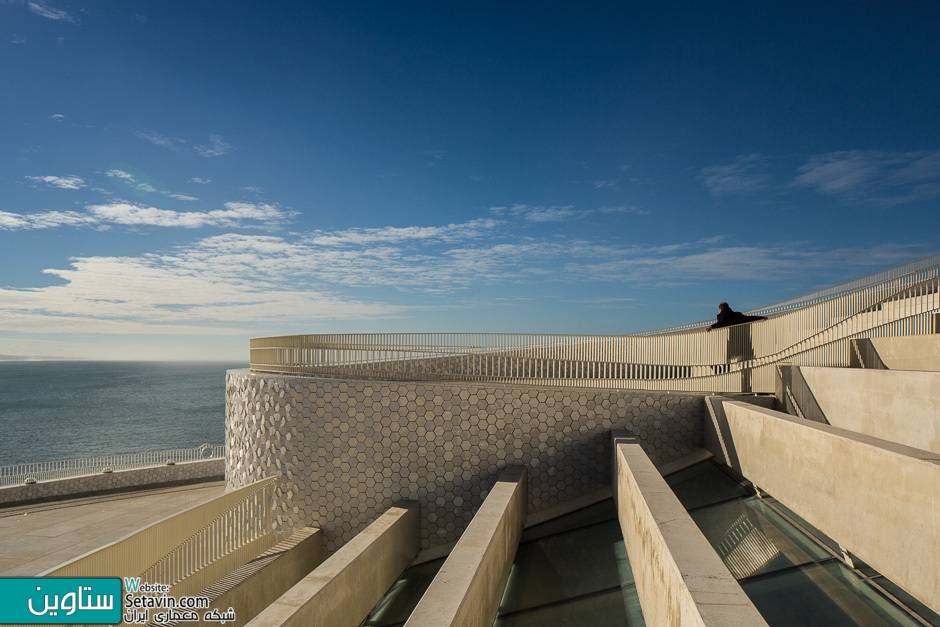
[[349, 449]]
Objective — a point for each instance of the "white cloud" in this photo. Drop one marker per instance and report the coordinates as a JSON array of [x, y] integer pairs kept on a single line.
[[217, 147], [744, 175], [611, 185], [235, 215], [873, 177], [200, 181], [189, 292], [122, 175], [58, 117], [62, 182], [555, 213], [43, 9], [17, 40], [396, 235], [236, 281], [171, 143], [185, 197]]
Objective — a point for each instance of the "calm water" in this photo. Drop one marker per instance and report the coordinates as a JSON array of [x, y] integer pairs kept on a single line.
[[60, 410]]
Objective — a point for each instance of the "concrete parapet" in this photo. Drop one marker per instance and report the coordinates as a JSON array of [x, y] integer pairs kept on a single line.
[[878, 499], [261, 581], [344, 589], [895, 405], [715, 426], [679, 577], [912, 352], [467, 589], [112, 482]]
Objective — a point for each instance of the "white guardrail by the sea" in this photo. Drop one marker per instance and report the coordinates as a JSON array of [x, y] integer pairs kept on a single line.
[[18, 474], [812, 330]]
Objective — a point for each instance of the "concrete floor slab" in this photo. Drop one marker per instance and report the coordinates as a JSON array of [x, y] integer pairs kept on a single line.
[[41, 536]]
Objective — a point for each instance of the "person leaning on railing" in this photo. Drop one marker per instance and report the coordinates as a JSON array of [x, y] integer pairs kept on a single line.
[[728, 317]]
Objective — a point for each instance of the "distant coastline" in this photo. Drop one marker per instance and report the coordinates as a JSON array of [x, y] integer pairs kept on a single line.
[[38, 358]]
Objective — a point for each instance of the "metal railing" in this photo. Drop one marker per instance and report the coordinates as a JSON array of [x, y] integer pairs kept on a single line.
[[184, 551], [17, 474], [812, 330]]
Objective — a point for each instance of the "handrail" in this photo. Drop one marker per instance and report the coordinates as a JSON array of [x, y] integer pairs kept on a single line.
[[899, 301], [183, 550], [16, 474], [924, 263]]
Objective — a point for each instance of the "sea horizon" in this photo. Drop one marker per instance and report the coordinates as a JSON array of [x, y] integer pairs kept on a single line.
[[55, 409]]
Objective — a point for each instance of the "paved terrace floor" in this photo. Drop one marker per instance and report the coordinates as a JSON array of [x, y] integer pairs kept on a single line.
[[35, 538]]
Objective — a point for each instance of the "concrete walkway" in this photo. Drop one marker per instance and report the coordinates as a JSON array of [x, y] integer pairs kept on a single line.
[[35, 538]]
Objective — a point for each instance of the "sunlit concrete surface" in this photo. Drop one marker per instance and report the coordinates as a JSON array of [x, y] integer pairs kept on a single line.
[[35, 538], [916, 352], [679, 577]]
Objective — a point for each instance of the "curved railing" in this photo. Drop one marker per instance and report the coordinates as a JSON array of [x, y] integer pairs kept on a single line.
[[812, 330], [17, 474]]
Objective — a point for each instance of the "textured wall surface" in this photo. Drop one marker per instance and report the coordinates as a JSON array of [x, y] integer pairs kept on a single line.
[[138, 478], [349, 449]]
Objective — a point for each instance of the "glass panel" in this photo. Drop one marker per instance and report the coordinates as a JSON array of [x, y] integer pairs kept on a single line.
[[402, 598], [704, 484], [823, 595], [599, 512], [617, 607], [816, 533], [752, 539], [566, 565], [925, 612]]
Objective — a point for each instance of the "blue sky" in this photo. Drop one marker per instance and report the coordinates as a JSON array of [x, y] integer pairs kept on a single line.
[[180, 176]]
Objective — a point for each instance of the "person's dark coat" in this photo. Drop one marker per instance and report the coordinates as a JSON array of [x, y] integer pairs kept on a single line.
[[729, 317]]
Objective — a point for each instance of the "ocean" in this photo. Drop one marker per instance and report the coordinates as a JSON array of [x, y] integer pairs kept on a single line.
[[66, 409]]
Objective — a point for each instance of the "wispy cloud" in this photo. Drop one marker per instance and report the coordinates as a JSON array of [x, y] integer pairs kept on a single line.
[[143, 186], [131, 180], [435, 156], [170, 143], [49, 12], [122, 175], [744, 175], [216, 148], [62, 182], [236, 280], [611, 185], [212, 289], [624, 209], [234, 215], [559, 213], [200, 181], [58, 117], [872, 177], [538, 213], [17, 40], [396, 235]]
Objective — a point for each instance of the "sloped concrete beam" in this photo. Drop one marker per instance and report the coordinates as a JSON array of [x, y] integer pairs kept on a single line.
[[467, 589], [878, 499], [344, 589], [679, 577]]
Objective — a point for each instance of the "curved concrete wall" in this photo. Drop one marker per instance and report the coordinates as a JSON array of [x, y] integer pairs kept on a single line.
[[349, 449]]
